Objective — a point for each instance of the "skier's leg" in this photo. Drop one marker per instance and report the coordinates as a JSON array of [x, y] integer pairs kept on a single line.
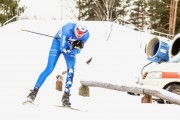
[[52, 60], [70, 62]]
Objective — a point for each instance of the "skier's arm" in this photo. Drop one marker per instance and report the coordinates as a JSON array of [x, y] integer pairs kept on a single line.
[[63, 40]]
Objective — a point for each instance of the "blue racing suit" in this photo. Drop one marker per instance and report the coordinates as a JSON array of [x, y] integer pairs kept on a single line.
[[62, 45]]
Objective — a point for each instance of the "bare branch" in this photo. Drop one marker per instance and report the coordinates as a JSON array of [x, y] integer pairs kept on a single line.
[[101, 7]]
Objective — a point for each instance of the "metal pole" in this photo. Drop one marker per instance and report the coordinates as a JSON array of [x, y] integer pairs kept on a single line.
[[61, 9], [40, 34]]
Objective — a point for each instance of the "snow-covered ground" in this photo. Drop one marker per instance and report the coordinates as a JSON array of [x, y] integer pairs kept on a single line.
[[117, 57]]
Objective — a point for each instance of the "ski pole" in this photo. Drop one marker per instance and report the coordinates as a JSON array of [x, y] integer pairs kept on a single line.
[[39, 33]]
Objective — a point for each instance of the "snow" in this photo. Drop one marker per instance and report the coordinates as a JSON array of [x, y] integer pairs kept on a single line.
[[50, 9], [117, 57]]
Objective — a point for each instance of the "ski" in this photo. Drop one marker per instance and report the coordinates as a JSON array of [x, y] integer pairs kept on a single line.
[[70, 107], [28, 103]]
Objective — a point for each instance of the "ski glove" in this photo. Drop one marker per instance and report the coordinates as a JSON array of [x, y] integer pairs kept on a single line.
[[78, 44]]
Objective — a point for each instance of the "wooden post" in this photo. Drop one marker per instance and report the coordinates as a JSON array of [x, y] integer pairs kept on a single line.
[[146, 99], [59, 82]]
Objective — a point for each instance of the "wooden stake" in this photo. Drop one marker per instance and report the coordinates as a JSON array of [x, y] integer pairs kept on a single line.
[[146, 99]]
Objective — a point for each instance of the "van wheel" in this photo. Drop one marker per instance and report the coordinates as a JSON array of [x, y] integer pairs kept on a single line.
[[174, 88]]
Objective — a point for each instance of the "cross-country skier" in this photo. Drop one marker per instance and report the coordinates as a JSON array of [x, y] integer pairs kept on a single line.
[[68, 41]]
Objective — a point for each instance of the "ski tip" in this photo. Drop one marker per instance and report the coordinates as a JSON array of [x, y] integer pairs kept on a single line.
[[21, 29], [29, 103], [26, 102], [72, 108]]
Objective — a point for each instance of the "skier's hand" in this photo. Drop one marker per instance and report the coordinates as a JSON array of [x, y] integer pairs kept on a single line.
[[66, 50], [78, 44], [74, 51]]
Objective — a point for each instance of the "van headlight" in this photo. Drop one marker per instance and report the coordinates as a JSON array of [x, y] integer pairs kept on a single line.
[[154, 75]]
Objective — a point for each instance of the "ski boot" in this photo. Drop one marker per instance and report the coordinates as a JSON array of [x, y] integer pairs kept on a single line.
[[32, 95], [65, 100]]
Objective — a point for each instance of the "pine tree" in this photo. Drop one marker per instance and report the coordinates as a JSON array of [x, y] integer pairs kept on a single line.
[[123, 10], [159, 14], [102, 10], [9, 9], [153, 14], [138, 15], [162, 17]]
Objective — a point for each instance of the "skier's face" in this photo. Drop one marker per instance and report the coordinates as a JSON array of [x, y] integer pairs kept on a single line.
[[79, 33]]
